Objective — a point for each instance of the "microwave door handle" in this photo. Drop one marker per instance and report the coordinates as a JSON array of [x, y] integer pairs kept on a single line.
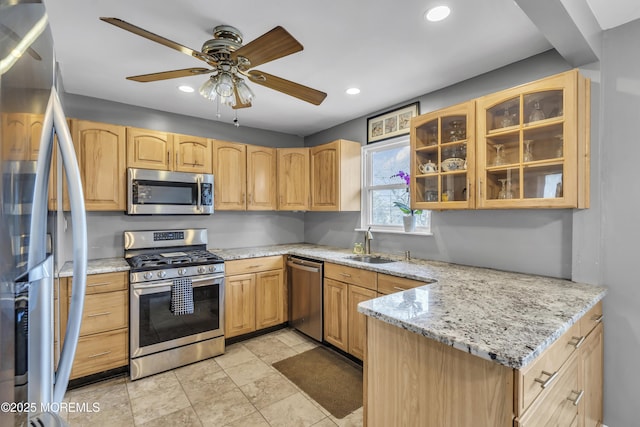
[[79, 221], [199, 182]]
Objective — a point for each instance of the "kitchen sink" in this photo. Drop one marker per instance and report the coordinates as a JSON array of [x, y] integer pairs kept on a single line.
[[371, 259]]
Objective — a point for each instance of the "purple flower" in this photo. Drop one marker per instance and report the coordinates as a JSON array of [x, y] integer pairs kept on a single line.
[[403, 175]]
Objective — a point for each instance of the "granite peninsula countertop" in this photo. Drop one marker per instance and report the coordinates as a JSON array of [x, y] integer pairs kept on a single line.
[[506, 317]]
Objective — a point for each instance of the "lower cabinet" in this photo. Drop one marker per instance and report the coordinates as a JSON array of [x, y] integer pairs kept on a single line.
[[344, 288], [254, 295], [104, 332]]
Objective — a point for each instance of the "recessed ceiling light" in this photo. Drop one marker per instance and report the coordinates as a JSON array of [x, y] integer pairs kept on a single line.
[[185, 88], [353, 91], [437, 13]]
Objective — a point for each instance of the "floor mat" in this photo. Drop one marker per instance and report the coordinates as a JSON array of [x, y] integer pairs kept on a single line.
[[332, 380]]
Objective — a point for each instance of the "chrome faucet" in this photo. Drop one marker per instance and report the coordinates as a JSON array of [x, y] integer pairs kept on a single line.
[[368, 237]]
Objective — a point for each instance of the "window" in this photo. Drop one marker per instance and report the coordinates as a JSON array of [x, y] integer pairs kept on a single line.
[[380, 189]]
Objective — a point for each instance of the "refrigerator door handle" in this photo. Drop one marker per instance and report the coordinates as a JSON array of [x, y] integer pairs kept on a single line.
[[55, 122]]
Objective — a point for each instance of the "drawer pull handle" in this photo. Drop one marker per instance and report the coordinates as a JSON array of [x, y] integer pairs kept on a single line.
[[579, 341], [104, 313], [345, 275], [98, 284], [399, 288], [104, 353], [254, 266], [598, 319], [577, 399], [548, 381]]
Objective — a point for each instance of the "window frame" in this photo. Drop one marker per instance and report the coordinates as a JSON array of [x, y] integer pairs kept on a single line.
[[367, 188]]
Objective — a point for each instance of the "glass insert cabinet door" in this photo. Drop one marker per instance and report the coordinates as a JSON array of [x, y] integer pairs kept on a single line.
[[443, 158], [528, 144]]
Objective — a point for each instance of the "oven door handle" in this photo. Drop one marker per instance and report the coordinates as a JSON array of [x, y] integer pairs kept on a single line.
[[197, 282]]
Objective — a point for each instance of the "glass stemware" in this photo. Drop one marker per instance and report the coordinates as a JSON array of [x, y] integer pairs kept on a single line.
[[500, 159], [537, 113], [506, 119], [505, 192], [527, 156], [560, 139]]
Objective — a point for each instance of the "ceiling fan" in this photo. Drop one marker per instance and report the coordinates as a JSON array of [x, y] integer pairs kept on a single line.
[[231, 61]]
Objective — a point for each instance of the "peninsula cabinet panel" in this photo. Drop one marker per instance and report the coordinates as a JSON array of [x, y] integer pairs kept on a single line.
[[293, 179], [412, 380], [261, 178], [335, 176], [100, 149], [230, 175], [592, 379], [149, 149], [192, 154]]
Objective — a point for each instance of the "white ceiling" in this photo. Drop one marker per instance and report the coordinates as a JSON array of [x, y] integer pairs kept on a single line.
[[385, 48]]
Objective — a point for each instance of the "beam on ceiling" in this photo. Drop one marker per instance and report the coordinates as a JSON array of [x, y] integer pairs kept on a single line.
[[569, 26]]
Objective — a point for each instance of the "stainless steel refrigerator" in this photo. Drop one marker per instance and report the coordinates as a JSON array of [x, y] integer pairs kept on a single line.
[[31, 386]]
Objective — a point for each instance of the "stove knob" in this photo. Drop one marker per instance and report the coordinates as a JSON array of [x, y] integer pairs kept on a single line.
[[201, 270], [212, 269], [148, 275], [162, 274], [182, 271]]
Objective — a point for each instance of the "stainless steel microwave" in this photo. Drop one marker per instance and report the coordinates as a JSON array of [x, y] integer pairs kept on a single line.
[[155, 192]]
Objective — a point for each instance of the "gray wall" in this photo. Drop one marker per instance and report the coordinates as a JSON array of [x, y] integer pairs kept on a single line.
[[620, 231], [529, 241]]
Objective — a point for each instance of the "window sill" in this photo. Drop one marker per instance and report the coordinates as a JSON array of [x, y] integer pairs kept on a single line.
[[385, 231]]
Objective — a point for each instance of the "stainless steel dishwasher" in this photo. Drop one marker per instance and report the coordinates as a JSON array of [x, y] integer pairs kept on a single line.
[[305, 295]]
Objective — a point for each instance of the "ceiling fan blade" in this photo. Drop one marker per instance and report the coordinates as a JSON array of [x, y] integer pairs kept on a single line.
[[299, 91], [269, 46], [164, 75], [159, 39]]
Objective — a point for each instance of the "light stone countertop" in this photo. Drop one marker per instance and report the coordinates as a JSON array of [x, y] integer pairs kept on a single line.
[[506, 317]]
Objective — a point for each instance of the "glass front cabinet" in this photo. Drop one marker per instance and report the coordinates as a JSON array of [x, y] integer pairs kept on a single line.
[[530, 149], [443, 150]]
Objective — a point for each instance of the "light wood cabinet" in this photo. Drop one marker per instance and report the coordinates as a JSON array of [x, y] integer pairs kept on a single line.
[[293, 179], [344, 288], [443, 150], [388, 284], [336, 313], [100, 149], [562, 386], [149, 149], [261, 178], [103, 342], [533, 145], [230, 175], [335, 176], [192, 154], [16, 136], [254, 294]]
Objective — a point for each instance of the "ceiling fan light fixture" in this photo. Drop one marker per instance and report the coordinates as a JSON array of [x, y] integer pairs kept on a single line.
[[208, 88], [228, 100], [244, 92], [224, 86]]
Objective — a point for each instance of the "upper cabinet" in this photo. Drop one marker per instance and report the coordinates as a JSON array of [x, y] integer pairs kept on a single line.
[[533, 145], [192, 154], [149, 149], [293, 179], [443, 149], [230, 175], [335, 176], [100, 149], [261, 178], [524, 147]]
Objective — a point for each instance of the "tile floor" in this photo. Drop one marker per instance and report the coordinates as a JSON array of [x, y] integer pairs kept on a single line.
[[239, 388]]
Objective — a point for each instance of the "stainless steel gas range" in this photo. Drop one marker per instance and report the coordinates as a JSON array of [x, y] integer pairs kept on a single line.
[[176, 301]]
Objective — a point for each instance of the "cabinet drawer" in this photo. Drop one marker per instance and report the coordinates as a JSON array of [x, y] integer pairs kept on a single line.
[[356, 276], [253, 265], [558, 407], [100, 352], [105, 312], [591, 319], [388, 284], [106, 282], [536, 379]]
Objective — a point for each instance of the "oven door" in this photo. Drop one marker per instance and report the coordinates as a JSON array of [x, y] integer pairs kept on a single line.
[[154, 328]]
